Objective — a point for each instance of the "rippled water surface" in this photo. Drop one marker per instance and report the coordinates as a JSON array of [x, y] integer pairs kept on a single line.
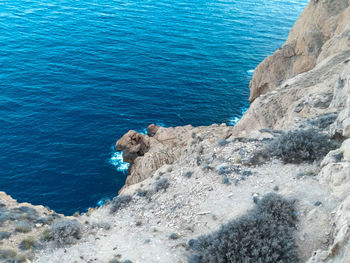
[[76, 75]]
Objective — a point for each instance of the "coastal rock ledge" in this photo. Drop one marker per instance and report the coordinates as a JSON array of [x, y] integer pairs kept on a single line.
[[273, 188]]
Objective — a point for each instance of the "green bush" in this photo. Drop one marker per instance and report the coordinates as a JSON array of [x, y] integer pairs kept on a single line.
[[264, 234], [22, 227], [46, 235], [27, 243], [300, 146], [161, 184], [65, 231], [7, 253], [119, 202], [4, 235]]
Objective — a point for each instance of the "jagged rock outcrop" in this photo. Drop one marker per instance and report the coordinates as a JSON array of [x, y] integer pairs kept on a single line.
[[133, 145], [148, 152], [336, 175], [317, 93], [322, 30], [341, 98]]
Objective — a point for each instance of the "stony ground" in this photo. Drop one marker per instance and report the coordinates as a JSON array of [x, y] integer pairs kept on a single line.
[[22, 229], [156, 226]]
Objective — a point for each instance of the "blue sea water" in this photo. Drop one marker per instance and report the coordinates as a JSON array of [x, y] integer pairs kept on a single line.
[[76, 75]]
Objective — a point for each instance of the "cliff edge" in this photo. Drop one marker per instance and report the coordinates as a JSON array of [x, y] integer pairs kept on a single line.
[[273, 188]]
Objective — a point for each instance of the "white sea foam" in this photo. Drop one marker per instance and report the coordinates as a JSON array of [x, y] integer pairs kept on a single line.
[[250, 72], [102, 201], [117, 157], [235, 119], [117, 161], [161, 124], [143, 131]]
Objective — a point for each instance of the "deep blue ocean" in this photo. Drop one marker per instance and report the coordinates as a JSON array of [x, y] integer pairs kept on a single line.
[[76, 75]]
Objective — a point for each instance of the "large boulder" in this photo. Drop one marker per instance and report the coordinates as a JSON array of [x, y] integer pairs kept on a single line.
[[133, 145]]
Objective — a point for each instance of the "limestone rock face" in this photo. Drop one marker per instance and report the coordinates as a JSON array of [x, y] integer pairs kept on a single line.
[[346, 150], [322, 30], [147, 153], [342, 98], [317, 93]]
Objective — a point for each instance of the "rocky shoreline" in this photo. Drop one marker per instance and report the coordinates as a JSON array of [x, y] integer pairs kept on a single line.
[[186, 182]]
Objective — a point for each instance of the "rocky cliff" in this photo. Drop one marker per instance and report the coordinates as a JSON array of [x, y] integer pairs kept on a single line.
[[321, 31], [184, 182]]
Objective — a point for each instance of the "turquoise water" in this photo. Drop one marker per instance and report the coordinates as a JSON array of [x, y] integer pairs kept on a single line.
[[76, 75]]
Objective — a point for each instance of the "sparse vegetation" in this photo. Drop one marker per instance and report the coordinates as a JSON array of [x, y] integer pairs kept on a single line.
[[4, 235], [310, 173], [27, 243], [188, 174], [173, 236], [7, 253], [161, 184], [190, 228], [3, 217], [195, 259], [23, 227], [46, 235], [20, 258], [226, 181], [142, 193], [264, 234], [317, 203], [246, 173], [119, 202], [24, 213], [238, 159], [299, 146], [223, 169], [323, 121], [65, 231]]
